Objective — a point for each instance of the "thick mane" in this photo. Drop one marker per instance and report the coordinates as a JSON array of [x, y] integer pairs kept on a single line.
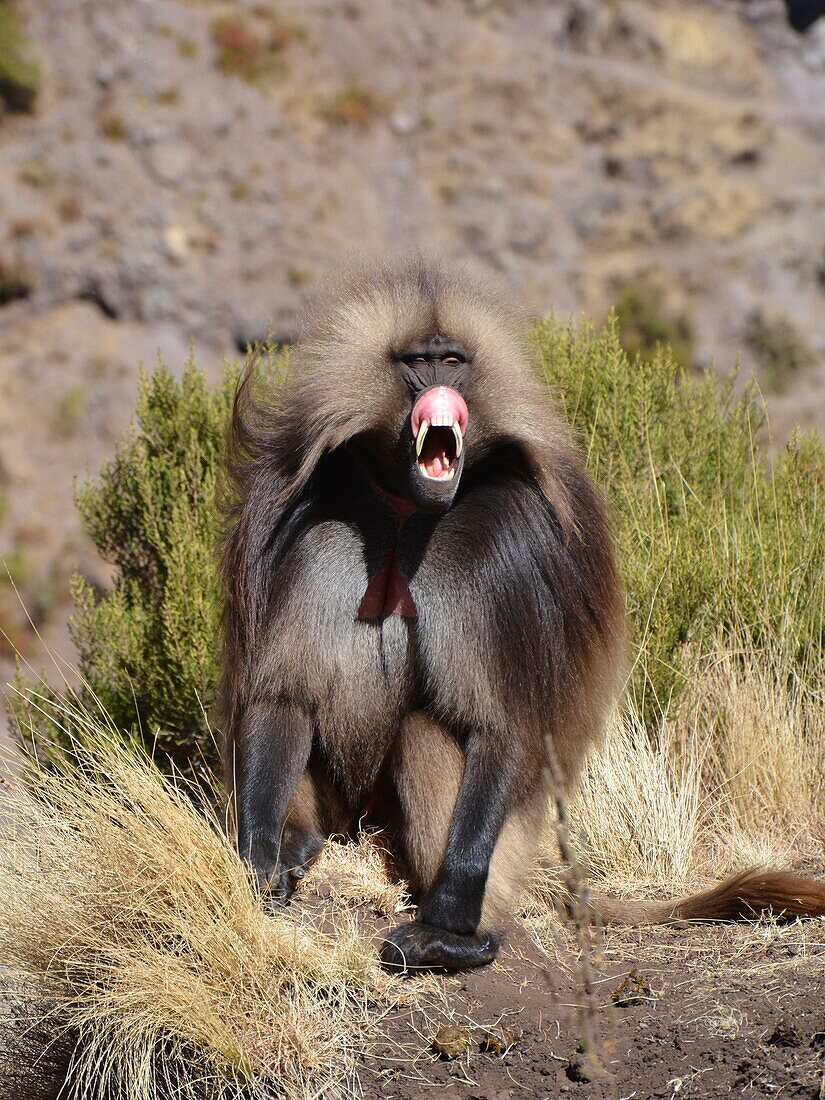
[[340, 382], [369, 312]]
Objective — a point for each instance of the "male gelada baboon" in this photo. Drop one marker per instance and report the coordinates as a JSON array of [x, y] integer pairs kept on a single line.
[[424, 623]]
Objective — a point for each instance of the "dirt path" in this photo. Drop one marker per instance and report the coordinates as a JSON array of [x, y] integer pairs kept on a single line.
[[705, 1012]]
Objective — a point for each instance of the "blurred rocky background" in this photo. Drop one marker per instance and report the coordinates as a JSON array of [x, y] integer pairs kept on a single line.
[[178, 174]]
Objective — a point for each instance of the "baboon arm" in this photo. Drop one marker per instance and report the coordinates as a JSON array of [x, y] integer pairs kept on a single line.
[[271, 752], [455, 900]]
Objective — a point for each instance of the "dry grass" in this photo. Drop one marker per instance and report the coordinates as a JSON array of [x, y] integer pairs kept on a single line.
[[734, 778], [359, 874], [130, 926]]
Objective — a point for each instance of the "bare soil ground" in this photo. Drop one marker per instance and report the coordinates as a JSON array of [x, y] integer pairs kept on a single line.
[[706, 1011], [712, 1012]]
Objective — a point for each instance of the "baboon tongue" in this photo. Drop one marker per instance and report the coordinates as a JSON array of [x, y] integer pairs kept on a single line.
[[440, 403]]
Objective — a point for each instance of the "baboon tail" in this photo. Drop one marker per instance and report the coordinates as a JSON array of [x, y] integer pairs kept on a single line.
[[744, 896]]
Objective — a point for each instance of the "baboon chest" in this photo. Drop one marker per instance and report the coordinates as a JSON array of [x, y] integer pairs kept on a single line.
[[357, 676], [370, 627]]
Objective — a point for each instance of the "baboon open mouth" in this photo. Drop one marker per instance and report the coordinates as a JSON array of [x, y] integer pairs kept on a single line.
[[438, 449], [439, 421]]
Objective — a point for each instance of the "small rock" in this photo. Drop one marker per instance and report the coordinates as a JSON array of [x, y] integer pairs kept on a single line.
[[632, 990], [498, 1041], [577, 1069], [403, 123], [784, 1035], [171, 161], [175, 241], [451, 1042]]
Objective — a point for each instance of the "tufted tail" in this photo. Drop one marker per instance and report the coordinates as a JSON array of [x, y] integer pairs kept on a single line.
[[744, 896]]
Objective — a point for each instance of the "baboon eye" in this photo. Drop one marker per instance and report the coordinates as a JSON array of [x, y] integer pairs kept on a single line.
[[452, 361], [419, 361]]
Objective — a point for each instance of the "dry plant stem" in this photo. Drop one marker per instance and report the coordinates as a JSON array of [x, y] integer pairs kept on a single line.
[[579, 911]]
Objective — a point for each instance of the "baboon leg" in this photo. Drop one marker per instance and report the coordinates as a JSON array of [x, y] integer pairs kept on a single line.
[[317, 806], [464, 926], [277, 822], [514, 857], [428, 768]]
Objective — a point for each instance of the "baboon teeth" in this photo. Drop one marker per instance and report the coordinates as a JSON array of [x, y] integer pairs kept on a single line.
[[459, 440], [439, 422], [422, 435]]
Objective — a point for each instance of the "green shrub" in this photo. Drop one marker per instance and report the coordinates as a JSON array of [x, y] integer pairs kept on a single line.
[[711, 539], [779, 350], [252, 49], [352, 105], [147, 649], [645, 326], [19, 75]]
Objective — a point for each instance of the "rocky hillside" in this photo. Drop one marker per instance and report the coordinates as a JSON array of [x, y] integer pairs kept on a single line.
[[185, 171]]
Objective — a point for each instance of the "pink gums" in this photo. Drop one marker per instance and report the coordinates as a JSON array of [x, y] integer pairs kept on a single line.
[[438, 402]]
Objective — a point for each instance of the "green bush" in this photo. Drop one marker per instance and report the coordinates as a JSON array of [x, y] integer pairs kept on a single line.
[[645, 326], [19, 75], [779, 349], [147, 649], [711, 538]]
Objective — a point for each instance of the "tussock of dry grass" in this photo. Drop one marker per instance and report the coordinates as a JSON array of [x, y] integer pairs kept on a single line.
[[735, 777], [359, 873], [127, 915]]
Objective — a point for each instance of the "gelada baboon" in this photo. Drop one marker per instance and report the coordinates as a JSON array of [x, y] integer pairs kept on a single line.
[[421, 603]]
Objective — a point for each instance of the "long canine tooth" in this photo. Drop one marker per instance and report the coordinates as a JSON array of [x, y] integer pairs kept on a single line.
[[459, 440], [422, 435]]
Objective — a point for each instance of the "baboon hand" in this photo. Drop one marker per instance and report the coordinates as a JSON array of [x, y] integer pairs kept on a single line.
[[277, 869], [277, 884]]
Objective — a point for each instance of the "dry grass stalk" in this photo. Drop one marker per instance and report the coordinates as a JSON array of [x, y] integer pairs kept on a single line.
[[130, 917], [734, 778]]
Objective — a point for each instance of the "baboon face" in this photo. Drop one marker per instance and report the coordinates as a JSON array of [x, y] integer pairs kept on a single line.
[[434, 371], [423, 377], [420, 454]]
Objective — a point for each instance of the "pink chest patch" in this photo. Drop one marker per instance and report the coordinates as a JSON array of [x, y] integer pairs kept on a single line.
[[388, 593]]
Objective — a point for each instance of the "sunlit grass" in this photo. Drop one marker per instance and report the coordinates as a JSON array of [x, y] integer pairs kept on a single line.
[[130, 927]]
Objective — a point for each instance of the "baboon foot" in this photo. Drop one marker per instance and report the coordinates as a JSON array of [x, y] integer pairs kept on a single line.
[[418, 946]]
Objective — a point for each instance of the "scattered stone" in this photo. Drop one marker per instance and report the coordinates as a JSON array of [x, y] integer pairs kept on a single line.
[[176, 242], [528, 231], [171, 161], [100, 294], [579, 1069], [403, 123], [785, 1034], [632, 990], [498, 1041], [451, 1042]]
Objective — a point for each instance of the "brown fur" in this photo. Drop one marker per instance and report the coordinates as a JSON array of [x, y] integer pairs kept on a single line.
[[520, 625], [743, 896]]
